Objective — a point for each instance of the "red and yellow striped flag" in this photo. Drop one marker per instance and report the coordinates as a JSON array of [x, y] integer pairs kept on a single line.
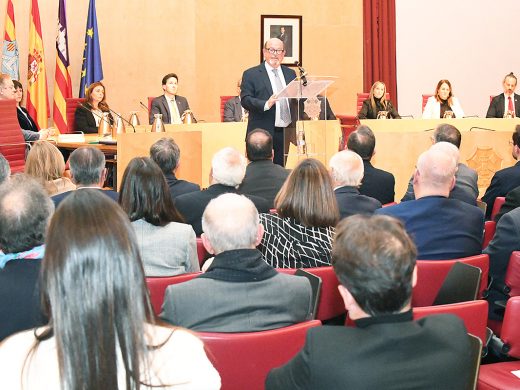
[[10, 63], [62, 83], [37, 97]]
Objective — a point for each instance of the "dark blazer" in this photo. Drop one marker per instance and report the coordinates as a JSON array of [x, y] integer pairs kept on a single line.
[[502, 182], [367, 112], [178, 186], [388, 352], [442, 228], [377, 184], [512, 202], [351, 202], [85, 120], [26, 122], [256, 89], [59, 197], [263, 178], [496, 107], [20, 296], [160, 106], [233, 110], [326, 112], [193, 204]]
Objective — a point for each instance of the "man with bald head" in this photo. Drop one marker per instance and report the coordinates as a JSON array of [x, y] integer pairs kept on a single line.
[[442, 227], [260, 86], [239, 292], [346, 170]]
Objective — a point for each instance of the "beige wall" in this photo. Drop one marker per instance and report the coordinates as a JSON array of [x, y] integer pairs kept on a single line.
[[208, 43]]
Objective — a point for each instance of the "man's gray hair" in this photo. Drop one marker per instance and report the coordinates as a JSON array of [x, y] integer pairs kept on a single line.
[[346, 168], [86, 165], [166, 153], [230, 222], [228, 167], [5, 169]]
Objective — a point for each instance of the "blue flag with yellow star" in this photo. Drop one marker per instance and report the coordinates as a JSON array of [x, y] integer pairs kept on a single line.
[[91, 70]]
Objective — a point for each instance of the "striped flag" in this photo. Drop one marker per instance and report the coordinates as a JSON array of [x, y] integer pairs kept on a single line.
[[10, 61], [37, 98], [62, 83], [91, 70]]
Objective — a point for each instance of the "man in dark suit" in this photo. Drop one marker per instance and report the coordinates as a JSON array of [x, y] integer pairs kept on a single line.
[[260, 86], [374, 260], [228, 168], [170, 105], [508, 101], [233, 111], [346, 171], [441, 227], [167, 155], [511, 202], [505, 179], [263, 178], [376, 183]]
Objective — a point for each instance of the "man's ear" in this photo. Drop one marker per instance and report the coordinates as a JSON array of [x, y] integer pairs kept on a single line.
[[259, 234], [207, 244], [416, 176], [348, 299], [103, 177]]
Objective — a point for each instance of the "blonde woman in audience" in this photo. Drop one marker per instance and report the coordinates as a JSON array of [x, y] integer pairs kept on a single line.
[[101, 333], [301, 233], [443, 104], [45, 163]]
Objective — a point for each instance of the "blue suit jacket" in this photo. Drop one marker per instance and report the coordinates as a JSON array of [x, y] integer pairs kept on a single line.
[[441, 228], [351, 202], [502, 182]]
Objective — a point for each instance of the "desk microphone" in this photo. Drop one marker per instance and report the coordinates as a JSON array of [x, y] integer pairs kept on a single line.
[[481, 128], [121, 117], [471, 116], [303, 73], [145, 107], [85, 107]]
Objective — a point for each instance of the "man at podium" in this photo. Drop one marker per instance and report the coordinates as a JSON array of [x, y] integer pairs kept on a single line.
[[260, 84]]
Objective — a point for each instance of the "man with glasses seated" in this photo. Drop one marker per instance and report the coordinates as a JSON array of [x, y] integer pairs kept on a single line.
[[260, 86]]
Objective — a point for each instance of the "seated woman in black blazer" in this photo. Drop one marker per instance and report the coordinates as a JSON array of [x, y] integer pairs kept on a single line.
[[88, 116], [24, 119], [377, 102]]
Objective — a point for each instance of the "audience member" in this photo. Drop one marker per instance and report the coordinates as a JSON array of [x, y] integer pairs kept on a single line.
[[87, 169], [506, 102], [170, 105], [233, 110], [228, 168], [442, 228], [374, 260], [239, 292], [512, 201], [376, 183], [45, 163], [505, 179], [167, 155], [466, 178], [346, 171], [25, 210], [263, 178], [88, 115], [442, 103], [300, 234], [25, 121], [376, 103], [167, 245], [102, 333], [5, 169]]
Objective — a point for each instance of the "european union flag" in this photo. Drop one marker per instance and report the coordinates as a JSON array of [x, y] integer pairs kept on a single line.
[[91, 70]]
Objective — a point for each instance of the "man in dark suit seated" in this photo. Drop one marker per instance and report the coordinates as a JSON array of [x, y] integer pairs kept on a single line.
[[167, 155], [233, 110], [239, 292], [507, 102], [441, 227], [228, 168], [25, 210], [376, 183], [170, 105], [374, 260], [346, 171], [263, 178], [87, 169]]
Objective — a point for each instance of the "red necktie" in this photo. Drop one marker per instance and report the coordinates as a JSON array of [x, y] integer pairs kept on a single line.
[[510, 105]]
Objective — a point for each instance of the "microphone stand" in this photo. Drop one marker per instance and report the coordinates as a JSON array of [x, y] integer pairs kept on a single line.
[[121, 117]]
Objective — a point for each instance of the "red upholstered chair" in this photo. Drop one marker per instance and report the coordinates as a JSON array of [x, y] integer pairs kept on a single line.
[[157, 287], [490, 228], [223, 100], [499, 201], [150, 99], [348, 123], [12, 143], [243, 360], [70, 108], [513, 274], [425, 100], [431, 275], [201, 251]]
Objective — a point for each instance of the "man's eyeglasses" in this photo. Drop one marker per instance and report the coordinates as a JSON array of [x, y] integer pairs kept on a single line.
[[275, 51]]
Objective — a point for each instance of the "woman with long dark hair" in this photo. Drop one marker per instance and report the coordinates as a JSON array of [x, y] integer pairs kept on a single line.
[[89, 114], [101, 333]]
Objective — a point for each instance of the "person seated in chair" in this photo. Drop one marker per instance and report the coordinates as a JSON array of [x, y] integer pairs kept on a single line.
[[170, 105]]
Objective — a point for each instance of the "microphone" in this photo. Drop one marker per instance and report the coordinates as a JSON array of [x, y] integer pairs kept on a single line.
[[145, 107], [302, 73], [471, 116], [121, 117], [481, 128], [85, 107]]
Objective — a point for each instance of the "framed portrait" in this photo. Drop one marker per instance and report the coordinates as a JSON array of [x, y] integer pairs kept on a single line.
[[287, 28]]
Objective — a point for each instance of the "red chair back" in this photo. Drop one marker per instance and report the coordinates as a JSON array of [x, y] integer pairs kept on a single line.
[[243, 360], [223, 100], [150, 99], [473, 313], [201, 251], [499, 201], [425, 100], [509, 333], [431, 275], [70, 109], [12, 143], [157, 287], [489, 232], [512, 279]]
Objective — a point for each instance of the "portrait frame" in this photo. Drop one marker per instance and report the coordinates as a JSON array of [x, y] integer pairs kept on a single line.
[[289, 29]]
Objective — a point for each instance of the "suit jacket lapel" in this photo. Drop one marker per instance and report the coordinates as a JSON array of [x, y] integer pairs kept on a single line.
[[265, 77]]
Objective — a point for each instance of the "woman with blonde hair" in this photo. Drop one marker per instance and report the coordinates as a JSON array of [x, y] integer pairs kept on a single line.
[[46, 164], [300, 233], [376, 103], [88, 115], [443, 103]]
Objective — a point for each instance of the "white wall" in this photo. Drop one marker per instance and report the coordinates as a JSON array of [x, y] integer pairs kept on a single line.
[[464, 41]]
